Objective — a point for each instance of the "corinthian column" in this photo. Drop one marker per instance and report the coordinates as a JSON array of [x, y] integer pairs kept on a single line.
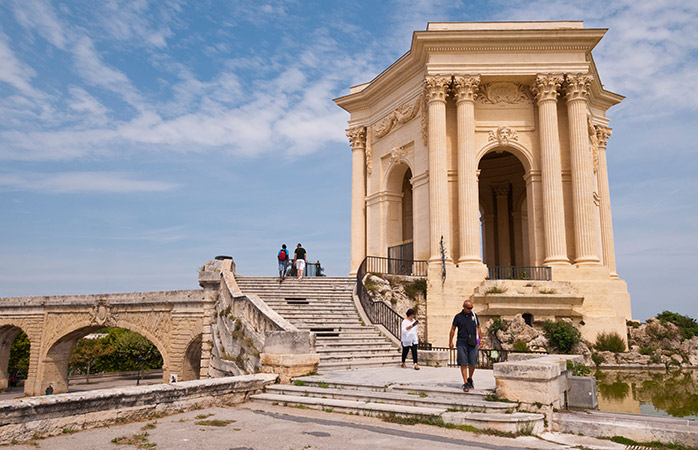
[[357, 139], [501, 192], [609, 252], [435, 88], [465, 89], [546, 90], [585, 237]]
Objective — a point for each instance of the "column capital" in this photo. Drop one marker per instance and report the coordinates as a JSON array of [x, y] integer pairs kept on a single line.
[[465, 87], [547, 86], [577, 86], [501, 189], [436, 87], [602, 135], [357, 137]]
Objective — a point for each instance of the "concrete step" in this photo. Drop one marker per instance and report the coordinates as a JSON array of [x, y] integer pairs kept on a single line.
[[337, 346], [358, 363], [464, 402], [358, 356], [356, 407]]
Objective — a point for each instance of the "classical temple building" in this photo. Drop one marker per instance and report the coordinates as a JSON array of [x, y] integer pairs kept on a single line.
[[482, 150]]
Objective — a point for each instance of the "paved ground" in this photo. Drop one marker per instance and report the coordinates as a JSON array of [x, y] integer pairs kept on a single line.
[[262, 427], [96, 383]]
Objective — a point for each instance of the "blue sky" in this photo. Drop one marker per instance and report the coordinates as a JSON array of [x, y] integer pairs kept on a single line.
[[139, 139]]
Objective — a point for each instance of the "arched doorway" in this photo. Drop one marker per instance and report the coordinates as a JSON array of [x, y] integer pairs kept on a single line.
[[14, 357], [502, 194], [400, 211]]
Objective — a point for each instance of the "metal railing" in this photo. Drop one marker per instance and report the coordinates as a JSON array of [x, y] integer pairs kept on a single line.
[[539, 273], [486, 357], [402, 251], [377, 311], [393, 266]]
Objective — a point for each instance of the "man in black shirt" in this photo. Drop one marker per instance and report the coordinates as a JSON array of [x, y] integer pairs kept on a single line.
[[299, 260], [468, 342]]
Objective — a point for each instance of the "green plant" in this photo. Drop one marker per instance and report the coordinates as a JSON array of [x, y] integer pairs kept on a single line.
[[610, 342], [413, 288], [521, 346], [632, 323], [548, 291], [561, 335], [371, 285], [298, 383], [496, 290], [596, 358], [202, 416], [214, 423], [687, 325], [496, 325], [323, 385], [578, 369]]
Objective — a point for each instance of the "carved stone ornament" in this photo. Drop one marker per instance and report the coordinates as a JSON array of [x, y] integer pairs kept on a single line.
[[402, 114], [436, 87], [357, 137], [503, 135], [577, 86], [465, 87], [425, 121], [546, 87], [602, 135], [101, 313], [399, 153], [503, 92], [369, 151]]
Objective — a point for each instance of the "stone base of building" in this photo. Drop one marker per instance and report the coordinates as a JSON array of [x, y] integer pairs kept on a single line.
[[587, 295], [290, 365]]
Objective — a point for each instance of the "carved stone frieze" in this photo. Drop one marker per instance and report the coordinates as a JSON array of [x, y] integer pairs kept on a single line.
[[503, 135], [465, 87], [101, 313], [547, 87], [436, 87], [577, 86], [504, 92], [369, 151], [425, 121], [400, 115]]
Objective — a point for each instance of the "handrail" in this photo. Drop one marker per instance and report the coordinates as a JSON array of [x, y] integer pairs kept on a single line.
[[394, 266], [378, 312], [538, 273]]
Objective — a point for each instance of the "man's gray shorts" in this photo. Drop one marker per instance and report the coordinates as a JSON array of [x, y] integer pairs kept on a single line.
[[467, 356]]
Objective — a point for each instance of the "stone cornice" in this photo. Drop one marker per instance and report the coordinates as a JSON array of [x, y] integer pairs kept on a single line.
[[547, 87], [577, 86], [465, 87]]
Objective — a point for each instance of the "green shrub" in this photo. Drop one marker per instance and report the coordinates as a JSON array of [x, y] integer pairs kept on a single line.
[[646, 350], [596, 358], [687, 325], [521, 346], [561, 335], [496, 325], [578, 369], [611, 342], [371, 285], [632, 324], [495, 290], [413, 288]]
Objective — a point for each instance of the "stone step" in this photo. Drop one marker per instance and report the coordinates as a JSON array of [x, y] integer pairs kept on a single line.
[[338, 346], [464, 402], [359, 363], [357, 355], [356, 407]]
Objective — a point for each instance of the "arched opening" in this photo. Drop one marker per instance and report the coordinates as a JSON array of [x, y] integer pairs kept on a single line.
[[192, 360], [14, 358], [119, 355], [502, 193], [399, 213], [528, 318]]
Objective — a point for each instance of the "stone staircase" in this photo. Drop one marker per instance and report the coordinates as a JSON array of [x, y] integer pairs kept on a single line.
[[324, 305], [420, 401]]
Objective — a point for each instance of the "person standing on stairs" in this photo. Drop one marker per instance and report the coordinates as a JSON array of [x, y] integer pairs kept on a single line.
[[408, 338], [299, 260], [282, 257], [468, 342]]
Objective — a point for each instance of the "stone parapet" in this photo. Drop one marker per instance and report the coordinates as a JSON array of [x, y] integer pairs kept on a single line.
[[22, 419]]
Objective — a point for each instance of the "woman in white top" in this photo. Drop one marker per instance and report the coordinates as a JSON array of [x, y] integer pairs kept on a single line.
[[409, 338]]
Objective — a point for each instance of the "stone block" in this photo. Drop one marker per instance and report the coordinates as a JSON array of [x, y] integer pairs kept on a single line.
[[433, 358], [582, 392], [289, 342], [287, 366]]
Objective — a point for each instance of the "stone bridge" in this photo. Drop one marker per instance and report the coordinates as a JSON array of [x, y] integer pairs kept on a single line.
[[172, 320]]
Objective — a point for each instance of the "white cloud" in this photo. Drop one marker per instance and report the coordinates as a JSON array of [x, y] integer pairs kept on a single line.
[[80, 182], [39, 15], [12, 70]]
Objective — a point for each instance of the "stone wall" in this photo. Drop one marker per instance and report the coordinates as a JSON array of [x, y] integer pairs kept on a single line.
[[22, 419]]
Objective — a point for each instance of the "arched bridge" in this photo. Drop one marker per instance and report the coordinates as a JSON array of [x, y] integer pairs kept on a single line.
[[172, 320]]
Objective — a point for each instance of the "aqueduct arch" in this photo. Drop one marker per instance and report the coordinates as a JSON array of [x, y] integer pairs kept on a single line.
[[171, 320]]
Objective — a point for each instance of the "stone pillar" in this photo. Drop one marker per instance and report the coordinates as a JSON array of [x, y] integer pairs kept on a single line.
[[357, 139], [501, 192], [518, 239], [609, 252], [546, 90], [585, 237], [465, 88], [490, 246], [436, 88]]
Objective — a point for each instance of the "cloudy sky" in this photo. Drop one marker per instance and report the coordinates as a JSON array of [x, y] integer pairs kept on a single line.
[[140, 138]]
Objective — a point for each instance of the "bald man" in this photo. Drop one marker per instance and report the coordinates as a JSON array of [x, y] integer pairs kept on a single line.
[[467, 344]]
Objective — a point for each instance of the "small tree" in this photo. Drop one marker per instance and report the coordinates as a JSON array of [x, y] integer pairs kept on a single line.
[[19, 355], [87, 351], [611, 342]]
